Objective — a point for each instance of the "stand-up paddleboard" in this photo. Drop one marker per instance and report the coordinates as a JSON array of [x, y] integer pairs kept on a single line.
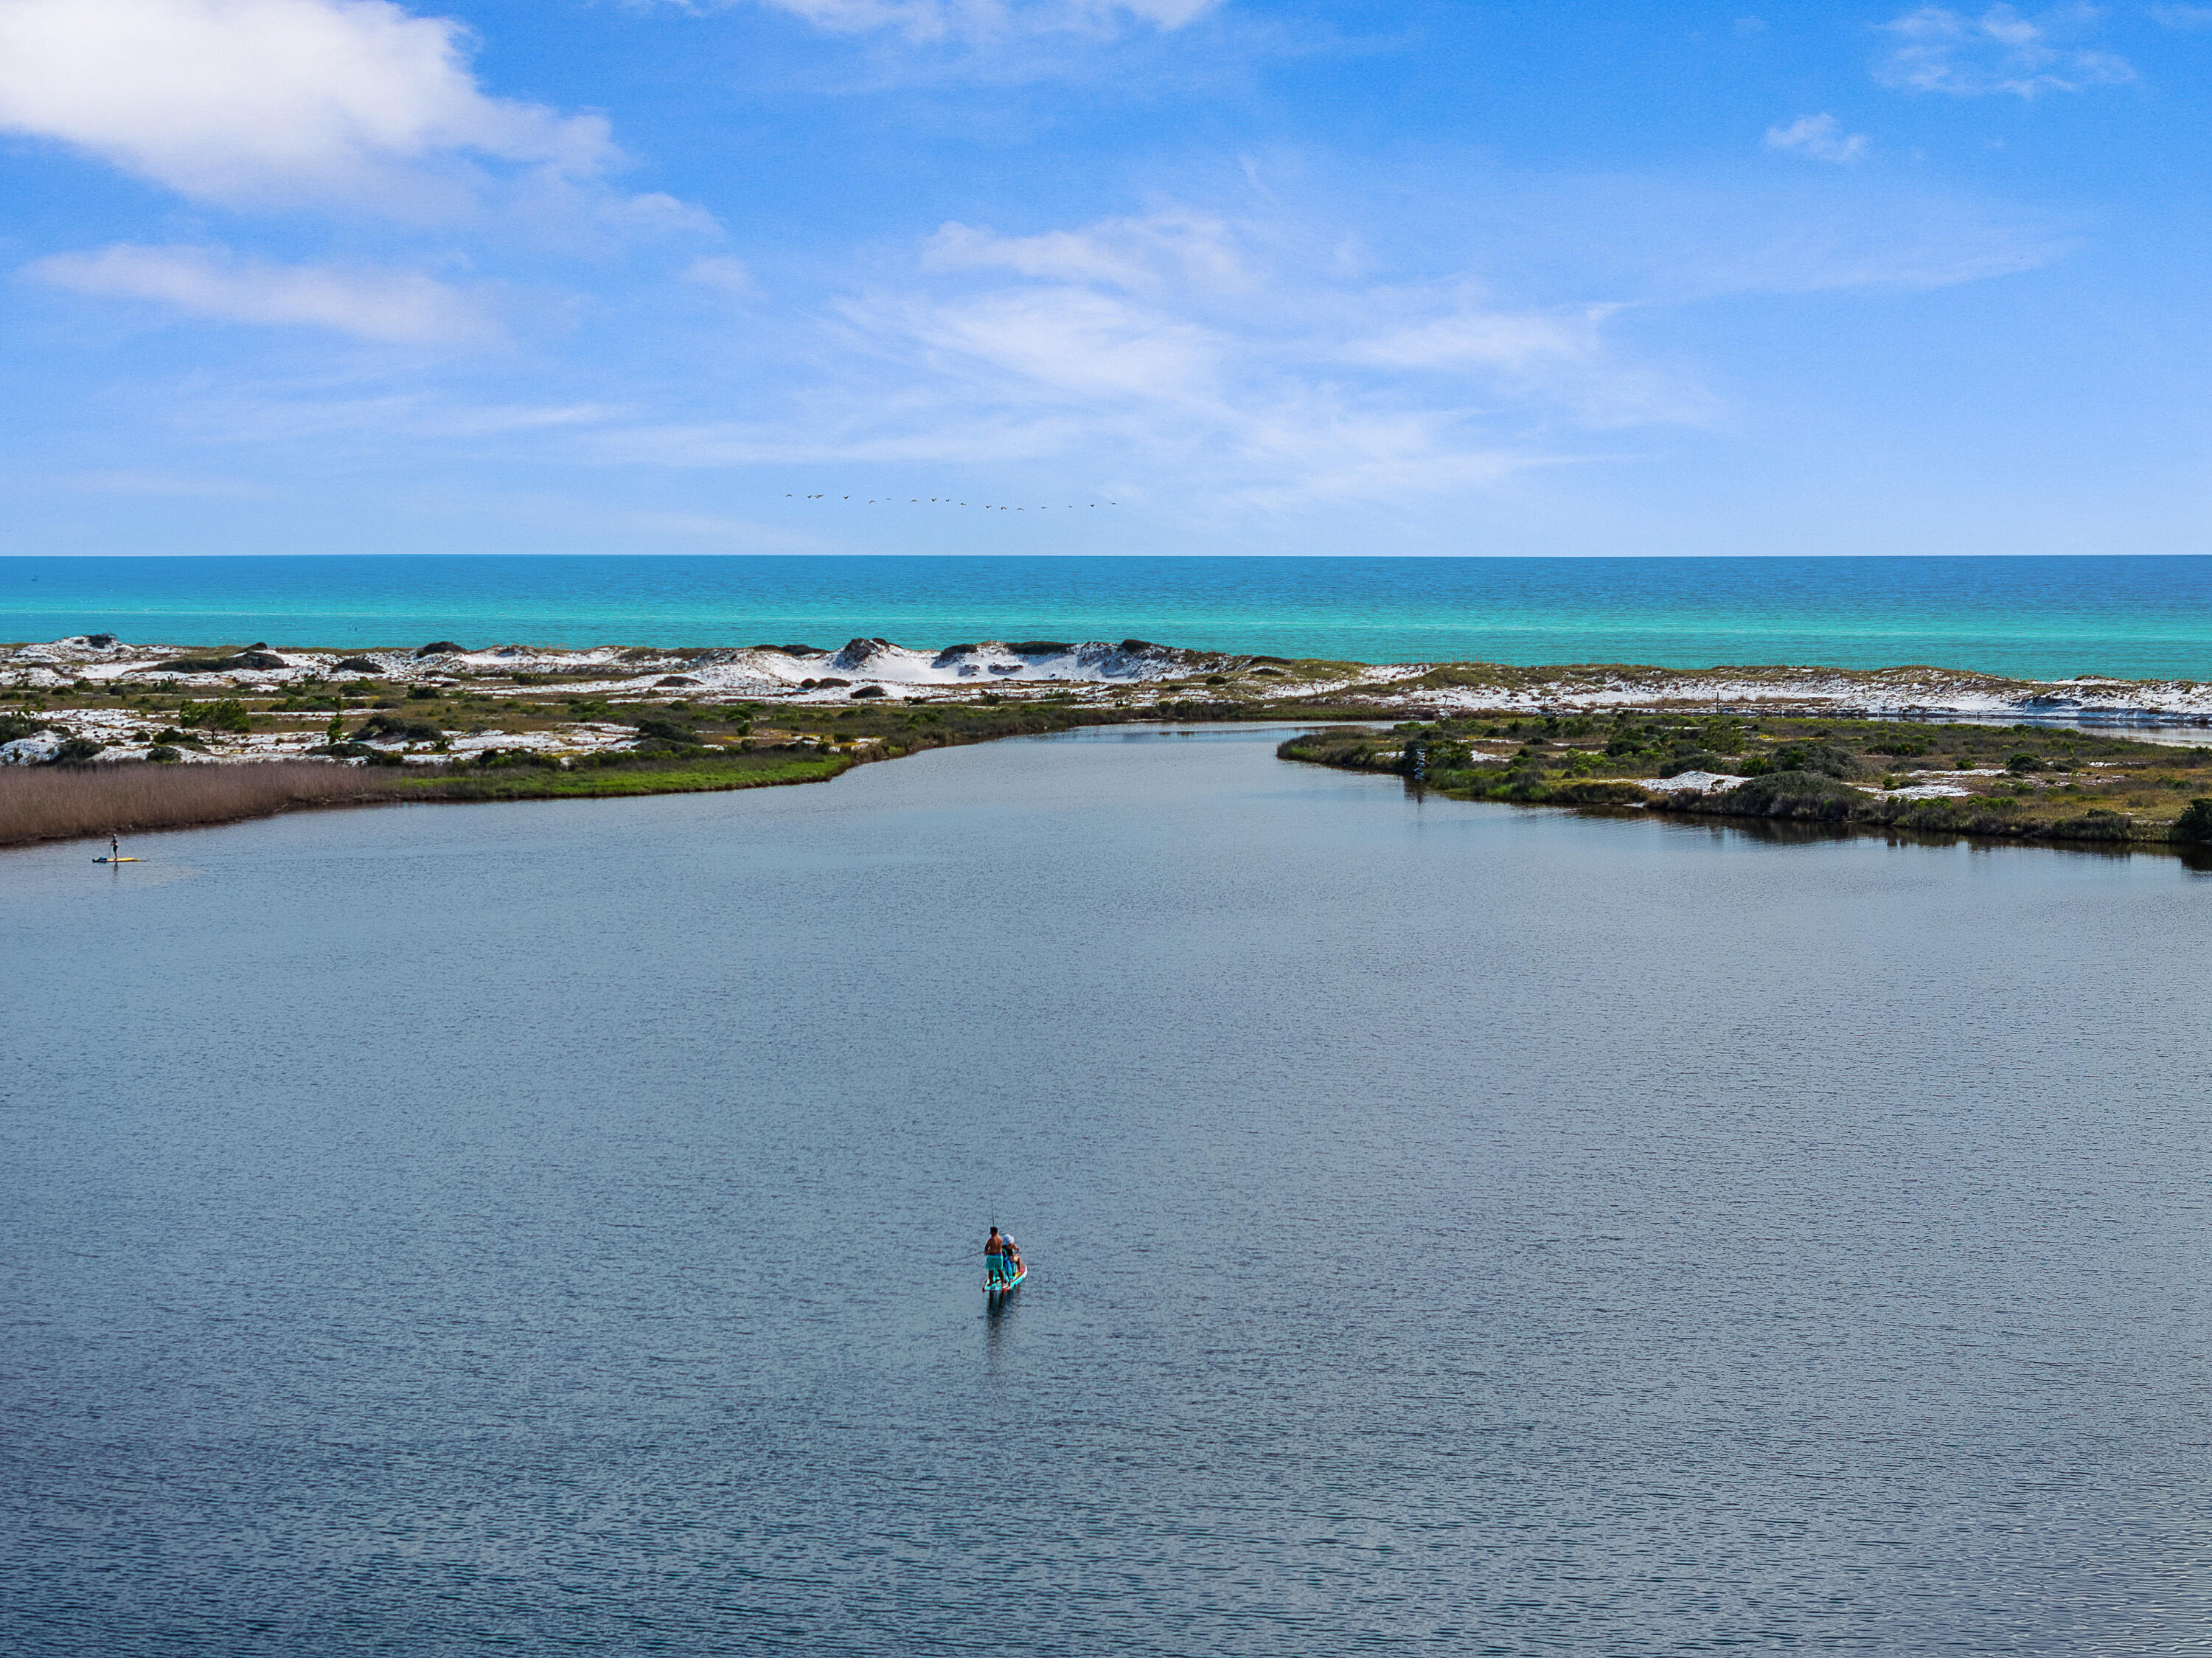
[[115, 860], [997, 1287]]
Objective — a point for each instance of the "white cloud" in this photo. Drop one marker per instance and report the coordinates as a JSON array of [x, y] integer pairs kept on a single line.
[[179, 485], [1074, 342], [285, 102], [1943, 51], [1183, 344], [284, 416], [979, 20], [1819, 137], [2182, 17], [398, 306], [725, 275], [1146, 253]]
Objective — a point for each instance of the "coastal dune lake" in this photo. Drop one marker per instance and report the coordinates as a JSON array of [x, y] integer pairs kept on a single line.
[[1452, 1229]]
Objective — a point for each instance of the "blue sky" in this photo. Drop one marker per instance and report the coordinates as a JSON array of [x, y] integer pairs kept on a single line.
[[344, 276]]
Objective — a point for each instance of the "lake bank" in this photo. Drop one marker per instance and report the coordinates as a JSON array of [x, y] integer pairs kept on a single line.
[[441, 722], [2020, 782]]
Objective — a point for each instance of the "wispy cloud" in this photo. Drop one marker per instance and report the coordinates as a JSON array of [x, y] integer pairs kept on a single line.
[[982, 21], [1186, 343], [1144, 253], [2182, 17], [1818, 137], [1260, 354], [284, 415], [1938, 50], [729, 277], [398, 306], [287, 103], [173, 486]]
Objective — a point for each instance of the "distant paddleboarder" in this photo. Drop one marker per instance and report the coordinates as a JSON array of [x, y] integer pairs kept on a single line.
[[1002, 1262]]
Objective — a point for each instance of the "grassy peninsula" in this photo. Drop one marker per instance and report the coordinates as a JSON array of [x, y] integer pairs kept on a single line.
[[2017, 782]]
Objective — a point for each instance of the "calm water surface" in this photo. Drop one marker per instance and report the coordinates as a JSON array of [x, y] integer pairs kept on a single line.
[[1453, 1228]]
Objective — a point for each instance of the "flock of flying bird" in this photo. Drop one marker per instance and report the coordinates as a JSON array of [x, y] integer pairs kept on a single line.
[[933, 500]]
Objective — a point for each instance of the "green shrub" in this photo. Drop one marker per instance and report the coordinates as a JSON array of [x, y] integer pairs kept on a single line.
[[77, 751], [162, 754], [1697, 759], [2195, 823], [1793, 795], [494, 758], [1824, 758], [228, 714], [1597, 794], [1722, 735], [2094, 825], [388, 729], [652, 724]]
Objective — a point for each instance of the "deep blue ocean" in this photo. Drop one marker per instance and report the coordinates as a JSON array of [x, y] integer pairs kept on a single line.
[[2148, 618]]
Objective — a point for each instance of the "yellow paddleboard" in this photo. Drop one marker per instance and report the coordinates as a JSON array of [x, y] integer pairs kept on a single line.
[[115, 860]]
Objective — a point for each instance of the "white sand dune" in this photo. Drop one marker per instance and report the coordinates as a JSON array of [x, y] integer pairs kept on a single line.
[[1094, 671]]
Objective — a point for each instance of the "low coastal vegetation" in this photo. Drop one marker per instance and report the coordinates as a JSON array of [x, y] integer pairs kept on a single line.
[[2020, 781], [66, 801], [668, 748], [143, 740]]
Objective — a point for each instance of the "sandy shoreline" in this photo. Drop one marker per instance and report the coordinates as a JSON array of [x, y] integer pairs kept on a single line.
[[549, 685]]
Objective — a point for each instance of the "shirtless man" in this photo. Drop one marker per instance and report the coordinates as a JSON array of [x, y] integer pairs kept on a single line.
[[995, 1259]]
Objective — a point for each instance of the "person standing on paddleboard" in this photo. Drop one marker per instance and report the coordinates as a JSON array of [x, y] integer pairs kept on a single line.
[[994, 1259]]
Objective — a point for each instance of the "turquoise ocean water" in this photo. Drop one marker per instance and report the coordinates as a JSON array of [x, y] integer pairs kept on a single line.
[[2039, 618]]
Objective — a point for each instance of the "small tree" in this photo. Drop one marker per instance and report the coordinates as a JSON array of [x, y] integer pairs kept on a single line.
[[1722, 735], [2195, 822], [228, 715]]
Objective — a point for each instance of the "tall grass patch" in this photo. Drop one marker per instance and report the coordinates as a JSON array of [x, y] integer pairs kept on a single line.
[[67, 802]]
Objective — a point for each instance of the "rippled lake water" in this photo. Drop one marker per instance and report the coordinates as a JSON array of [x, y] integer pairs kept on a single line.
[[1453, 1228]]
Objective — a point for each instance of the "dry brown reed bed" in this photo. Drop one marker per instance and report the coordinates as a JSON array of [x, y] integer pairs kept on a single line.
[[55, 803]]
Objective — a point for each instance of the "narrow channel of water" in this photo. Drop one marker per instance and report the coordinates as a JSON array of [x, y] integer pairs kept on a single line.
[[1453, 1227]]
